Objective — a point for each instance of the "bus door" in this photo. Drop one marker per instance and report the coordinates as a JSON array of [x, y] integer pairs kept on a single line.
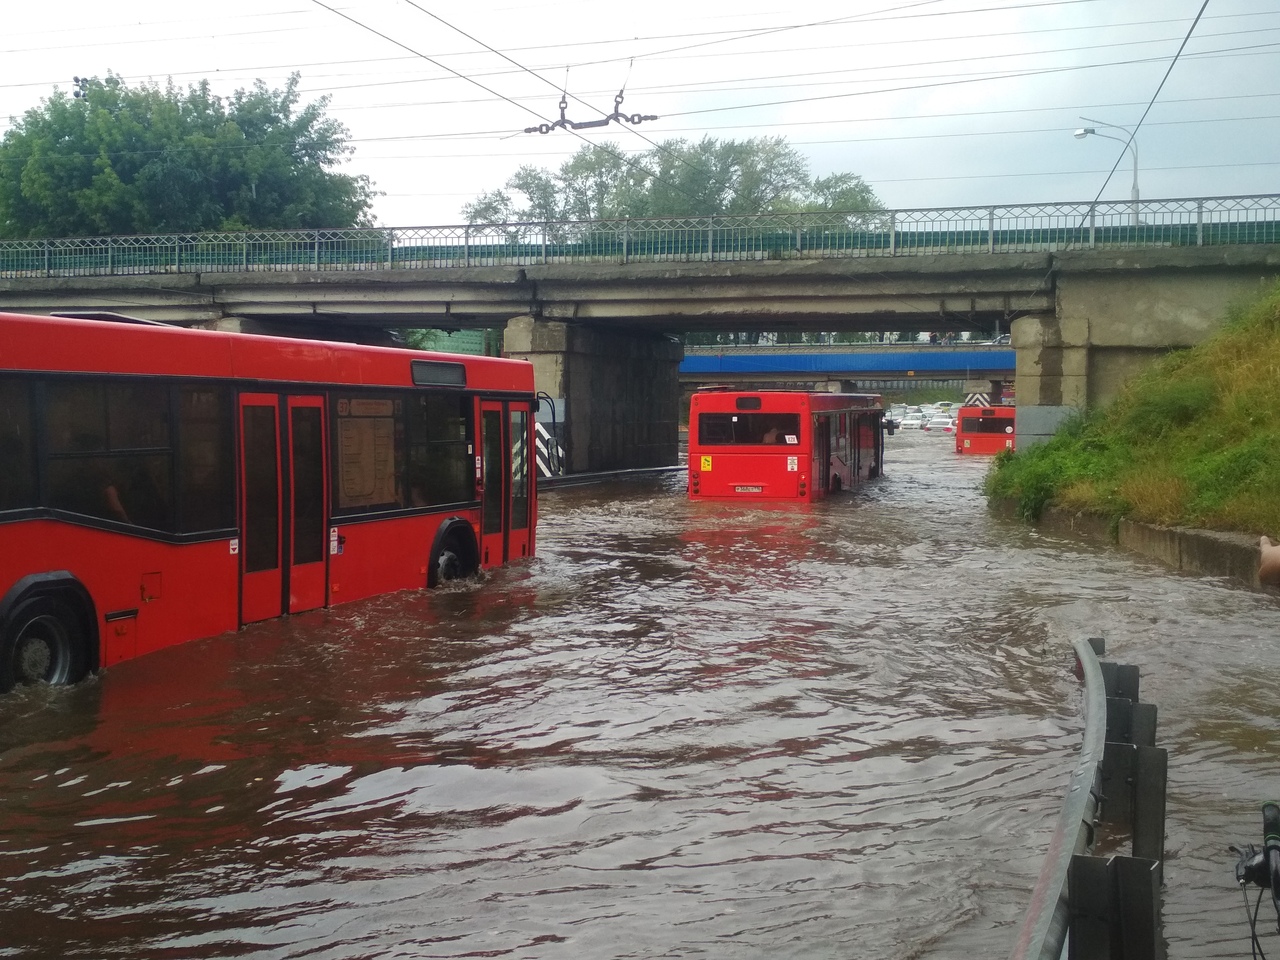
[[506, 485], [282, 505], [821, 453]]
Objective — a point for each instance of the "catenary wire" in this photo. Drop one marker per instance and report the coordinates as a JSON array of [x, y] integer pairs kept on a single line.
[[1133, 133]]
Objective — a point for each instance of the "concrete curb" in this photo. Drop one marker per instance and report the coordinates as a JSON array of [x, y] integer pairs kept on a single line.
[[1204, 552]]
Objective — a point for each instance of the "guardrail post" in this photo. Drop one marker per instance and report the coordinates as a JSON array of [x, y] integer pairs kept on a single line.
[[244, 255], [893, 234], [177, 254], [991, 230], [391, 250], [466, 245], [1199, 223], [317, 257], [711, 238], [1115, 909], [46, 258], [799, 240], [110, 248], [1093, 225], [626, 240], [546, 228]]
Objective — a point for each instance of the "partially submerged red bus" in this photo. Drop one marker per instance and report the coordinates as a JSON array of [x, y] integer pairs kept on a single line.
[[159, 484], [985, 429], [782, 445]]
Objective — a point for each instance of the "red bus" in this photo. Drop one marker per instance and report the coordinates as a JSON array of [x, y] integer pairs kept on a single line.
[[160, 484], [782, 445], [984, 429]]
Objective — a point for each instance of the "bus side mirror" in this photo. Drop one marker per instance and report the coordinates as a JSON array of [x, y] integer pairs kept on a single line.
[[889, 427]]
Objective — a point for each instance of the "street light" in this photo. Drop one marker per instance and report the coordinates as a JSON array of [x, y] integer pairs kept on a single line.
[[1130, 144]]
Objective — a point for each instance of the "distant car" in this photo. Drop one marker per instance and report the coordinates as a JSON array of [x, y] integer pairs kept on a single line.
[[941, 425], [912, 421]]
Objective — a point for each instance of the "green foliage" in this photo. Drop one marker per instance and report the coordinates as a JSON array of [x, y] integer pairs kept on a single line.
[[151, 159], [1195, 441], [677, 178], [1165, 405]]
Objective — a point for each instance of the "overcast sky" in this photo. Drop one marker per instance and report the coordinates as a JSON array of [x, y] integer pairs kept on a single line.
[[933, 102]]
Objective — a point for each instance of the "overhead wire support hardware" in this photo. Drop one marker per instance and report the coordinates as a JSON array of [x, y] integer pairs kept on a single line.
[[566, 124]]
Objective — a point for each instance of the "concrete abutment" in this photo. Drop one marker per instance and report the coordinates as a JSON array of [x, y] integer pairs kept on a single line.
[[618, 390], [1114, 313]]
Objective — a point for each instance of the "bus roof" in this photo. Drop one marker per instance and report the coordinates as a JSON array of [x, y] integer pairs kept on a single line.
[[719, 399], [79, 345]]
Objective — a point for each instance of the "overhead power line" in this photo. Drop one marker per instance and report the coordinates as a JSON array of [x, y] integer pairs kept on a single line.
[[1129, 145], [251, 72], [629, 162]]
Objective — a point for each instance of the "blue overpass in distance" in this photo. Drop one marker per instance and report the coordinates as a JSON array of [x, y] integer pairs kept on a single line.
[[881, 366]]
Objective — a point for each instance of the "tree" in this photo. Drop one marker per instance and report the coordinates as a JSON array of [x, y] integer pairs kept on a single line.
[[116, 159], [675, 179]]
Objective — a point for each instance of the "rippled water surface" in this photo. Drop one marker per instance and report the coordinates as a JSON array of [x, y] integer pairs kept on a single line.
[[683, 730]]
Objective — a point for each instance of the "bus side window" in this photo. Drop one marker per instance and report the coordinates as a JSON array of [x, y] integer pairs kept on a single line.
[[17, 451], [206, 459], [138, 421], [368, 452], [440, 468], [109, 453]]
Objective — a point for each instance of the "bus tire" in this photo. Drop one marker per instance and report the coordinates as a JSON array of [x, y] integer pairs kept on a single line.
[[454, 556], [43, 641]]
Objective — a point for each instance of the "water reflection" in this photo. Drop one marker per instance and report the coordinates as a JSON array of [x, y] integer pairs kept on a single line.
[[685, 728]]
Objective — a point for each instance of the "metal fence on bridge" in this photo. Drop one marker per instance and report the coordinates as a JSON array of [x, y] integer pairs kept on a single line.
[[1030, 228]]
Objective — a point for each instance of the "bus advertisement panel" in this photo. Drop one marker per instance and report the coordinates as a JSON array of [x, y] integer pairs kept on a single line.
[[985, 429], [161, 484], [782, 445]]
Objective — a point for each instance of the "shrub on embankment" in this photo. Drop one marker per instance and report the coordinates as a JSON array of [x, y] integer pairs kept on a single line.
[[1193, 442]]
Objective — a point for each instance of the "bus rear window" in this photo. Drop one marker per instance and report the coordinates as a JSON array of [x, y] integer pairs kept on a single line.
[[748, 428], [986, 425]]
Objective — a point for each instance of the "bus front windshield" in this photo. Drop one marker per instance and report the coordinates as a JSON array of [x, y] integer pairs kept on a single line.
[[717, 429]]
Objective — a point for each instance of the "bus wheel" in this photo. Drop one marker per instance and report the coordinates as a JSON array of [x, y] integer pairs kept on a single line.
[[448, 565], [453, 560], [43, 642]]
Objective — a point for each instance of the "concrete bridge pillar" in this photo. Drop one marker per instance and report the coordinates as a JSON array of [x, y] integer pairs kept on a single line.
[[620, 390]]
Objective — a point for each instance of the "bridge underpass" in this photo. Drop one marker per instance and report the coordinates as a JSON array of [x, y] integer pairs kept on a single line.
[[1086, 308]]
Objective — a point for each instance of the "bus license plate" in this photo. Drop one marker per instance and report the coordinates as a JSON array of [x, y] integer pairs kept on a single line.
[[750, 489]]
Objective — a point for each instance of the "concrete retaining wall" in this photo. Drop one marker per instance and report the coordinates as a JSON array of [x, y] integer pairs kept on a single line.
[[1205, 552]]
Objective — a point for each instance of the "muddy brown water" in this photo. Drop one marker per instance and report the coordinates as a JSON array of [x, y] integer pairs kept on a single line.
[[683, 730]]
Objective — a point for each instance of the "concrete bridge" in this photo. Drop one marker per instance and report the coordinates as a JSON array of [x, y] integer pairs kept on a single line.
[[1089, 295]]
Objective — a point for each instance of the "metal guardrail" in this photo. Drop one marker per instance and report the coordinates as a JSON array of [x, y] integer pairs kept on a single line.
[[1028, 228], [1044, 929], [1104, 908]]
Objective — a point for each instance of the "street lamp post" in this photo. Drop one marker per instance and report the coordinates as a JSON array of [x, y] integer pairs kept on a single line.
[[1130, 144]]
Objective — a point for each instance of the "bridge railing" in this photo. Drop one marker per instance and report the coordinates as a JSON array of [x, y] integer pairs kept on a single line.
[[1026, 228]]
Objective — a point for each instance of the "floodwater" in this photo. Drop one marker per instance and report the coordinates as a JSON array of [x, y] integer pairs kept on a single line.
[[684, 730]]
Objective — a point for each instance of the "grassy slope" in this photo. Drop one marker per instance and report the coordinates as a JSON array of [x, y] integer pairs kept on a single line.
[[1193, 442]]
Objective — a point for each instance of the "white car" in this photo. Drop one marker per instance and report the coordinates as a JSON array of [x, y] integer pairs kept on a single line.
[[940, 425], [912, 421]]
